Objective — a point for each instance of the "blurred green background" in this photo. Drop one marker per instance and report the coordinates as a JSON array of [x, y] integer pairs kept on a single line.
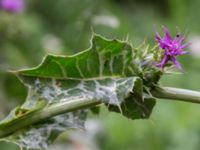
[[65, 27]]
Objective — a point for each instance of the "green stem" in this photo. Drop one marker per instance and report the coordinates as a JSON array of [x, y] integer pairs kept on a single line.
[[68, 106], [41, 115], [177, 94]]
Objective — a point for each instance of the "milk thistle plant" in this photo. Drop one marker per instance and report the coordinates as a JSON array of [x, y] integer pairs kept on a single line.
[[63, 89]]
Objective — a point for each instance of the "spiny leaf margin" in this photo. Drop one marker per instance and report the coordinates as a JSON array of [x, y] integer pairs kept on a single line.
[[106, 60]]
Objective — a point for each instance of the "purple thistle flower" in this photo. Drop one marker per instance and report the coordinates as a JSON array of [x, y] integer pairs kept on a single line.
[[14, 6], [172, 48]]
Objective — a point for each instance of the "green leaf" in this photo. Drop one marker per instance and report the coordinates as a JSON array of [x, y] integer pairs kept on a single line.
[[137, 105], [107, 72], [40, 135]]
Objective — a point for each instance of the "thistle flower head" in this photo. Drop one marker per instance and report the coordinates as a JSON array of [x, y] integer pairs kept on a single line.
[[172, 48], [14, 6]]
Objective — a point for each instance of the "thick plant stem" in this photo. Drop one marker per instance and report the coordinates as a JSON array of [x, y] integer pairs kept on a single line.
[[77, 104], [177, 94], [46, 113]]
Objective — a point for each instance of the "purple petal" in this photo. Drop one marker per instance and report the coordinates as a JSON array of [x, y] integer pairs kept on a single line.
[[163, 62], [158, 37], [168, 37], [185, 46], [181, 40], [176, 38], [178, 65]]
